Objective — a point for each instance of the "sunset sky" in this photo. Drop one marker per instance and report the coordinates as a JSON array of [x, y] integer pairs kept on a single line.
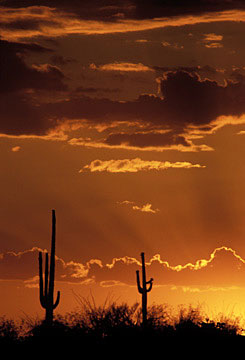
[[128, 118]]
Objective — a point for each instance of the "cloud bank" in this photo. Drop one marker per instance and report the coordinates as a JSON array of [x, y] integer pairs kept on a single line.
[[188, 106], [224, 267], [185, 109], [26, 20]]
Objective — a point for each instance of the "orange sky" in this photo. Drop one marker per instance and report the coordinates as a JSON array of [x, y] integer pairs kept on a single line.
[[129, 120]]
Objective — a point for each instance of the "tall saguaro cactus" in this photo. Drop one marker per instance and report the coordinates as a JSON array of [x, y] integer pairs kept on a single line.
[[144, 289], [47, 294]]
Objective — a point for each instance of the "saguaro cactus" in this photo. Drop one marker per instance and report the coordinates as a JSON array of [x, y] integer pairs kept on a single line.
[[143, 290], [47, 295]]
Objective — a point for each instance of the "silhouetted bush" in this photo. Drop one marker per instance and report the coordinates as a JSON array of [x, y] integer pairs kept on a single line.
[[9, 332], [119, 326], [102, 324], [190, 321]]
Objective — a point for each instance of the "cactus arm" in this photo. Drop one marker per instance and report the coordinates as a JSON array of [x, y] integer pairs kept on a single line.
[[40, 272], [46, 277], [43, 302], [143, 269], [151, 283], [57, 300], [52, 255], [42, 297], [41, 279], [140, 289]]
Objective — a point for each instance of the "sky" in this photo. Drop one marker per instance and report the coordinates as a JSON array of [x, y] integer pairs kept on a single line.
[[127, 118]]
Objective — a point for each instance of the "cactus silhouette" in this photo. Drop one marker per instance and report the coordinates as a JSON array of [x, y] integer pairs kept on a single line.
[[143, 290], [47, 294]]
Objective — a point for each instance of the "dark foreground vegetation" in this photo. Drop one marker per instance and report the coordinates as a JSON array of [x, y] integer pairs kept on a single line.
[[118, 328]]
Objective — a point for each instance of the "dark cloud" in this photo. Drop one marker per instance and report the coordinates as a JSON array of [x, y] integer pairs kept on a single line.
[[12, 48], [192, 101], [17, 75], [61, 60], [93, 90], [204, 71], [151, 139], [186, 101], [163, 69], [146, 108], [111, 10], [20, 115], [158, 8], [27, 24]]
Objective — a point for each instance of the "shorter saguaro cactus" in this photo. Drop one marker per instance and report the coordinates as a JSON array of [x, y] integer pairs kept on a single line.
[[47, 295], [143, 290]]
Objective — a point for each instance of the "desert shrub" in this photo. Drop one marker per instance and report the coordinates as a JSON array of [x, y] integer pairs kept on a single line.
[[114, 324], [9, 332], [188, 321], [58, 329], [105, 320], [159, 315], [191, 321], [229, 325]]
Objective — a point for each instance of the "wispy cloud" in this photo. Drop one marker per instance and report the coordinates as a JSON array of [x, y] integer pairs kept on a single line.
[[109, 283], [242, 132], [213, 45], [121, 66], [107, 143], [135, 165], [202, 289], [212, 40], [16, 148], [212, 37], [174, 46], [144, 208]]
